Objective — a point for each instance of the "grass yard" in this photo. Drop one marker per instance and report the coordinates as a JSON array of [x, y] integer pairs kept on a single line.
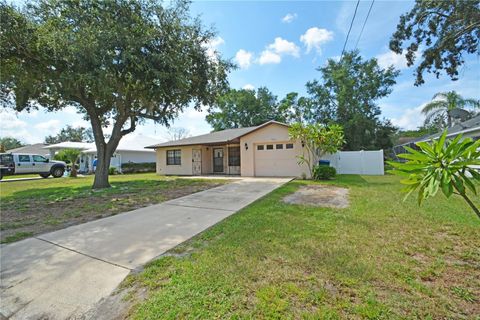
[[37, 206], [381, 258], [21, 176]]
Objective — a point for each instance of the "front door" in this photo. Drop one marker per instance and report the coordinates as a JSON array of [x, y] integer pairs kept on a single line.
[[218, 160], [196, 162]]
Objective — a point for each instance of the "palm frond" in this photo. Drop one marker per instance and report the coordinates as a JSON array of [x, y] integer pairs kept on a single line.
[[433, 114], [442, 95], [473, 103], [435, 105]]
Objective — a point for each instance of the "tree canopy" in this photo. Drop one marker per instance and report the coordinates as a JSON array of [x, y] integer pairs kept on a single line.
[[9, 143], [443, 31], [70, 133], [118, 62], [347, 95], [246, 108]]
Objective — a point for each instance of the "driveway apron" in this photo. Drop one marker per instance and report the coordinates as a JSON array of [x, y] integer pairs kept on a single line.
[[64, 274]]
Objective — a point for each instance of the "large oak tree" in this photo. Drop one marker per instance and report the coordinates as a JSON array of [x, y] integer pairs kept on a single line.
[[118, 62], [443, 30]]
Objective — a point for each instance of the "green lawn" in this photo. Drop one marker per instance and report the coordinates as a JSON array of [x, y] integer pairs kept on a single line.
[[381, 258], [37, 206], [20, 176]]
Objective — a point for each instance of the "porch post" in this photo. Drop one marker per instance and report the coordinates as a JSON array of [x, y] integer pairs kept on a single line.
[[228, 164]]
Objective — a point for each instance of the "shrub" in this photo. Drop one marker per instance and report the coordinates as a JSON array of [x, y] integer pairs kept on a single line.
[[323, 172], [443, 164], [131, 167], [112, 171], [69, 156]]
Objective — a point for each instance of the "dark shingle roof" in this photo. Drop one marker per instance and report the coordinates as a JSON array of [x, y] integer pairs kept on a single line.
[[37, 148], [222, 136], [470, 124]]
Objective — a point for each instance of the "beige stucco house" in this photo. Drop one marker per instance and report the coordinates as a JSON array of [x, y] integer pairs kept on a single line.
[[264, 150]]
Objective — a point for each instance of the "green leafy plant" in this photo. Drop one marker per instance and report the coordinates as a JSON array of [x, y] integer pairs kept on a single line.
[[317, 140], [324, 172], [442, 164], [138, 167], [112, 171], [69, 156]]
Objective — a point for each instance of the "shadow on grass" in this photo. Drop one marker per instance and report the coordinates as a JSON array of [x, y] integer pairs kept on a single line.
[[118, 187]]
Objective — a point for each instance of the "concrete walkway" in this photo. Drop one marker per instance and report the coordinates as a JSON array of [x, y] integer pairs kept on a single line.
[[63, 274]]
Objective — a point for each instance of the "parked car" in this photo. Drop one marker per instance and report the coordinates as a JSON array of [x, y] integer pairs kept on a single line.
[[22, 163]]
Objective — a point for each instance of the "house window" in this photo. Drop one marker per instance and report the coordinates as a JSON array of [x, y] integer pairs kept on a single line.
[[234, 156], [260, 147], [279, 146], [289, 146], [269, 146], [174, 157]]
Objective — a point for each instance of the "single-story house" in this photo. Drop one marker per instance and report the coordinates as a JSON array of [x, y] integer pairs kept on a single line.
[[469, 128], [130, 150], [264, 150], [36, 148]]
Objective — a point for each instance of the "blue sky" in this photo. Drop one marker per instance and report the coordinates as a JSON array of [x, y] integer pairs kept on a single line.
[[279, 45]]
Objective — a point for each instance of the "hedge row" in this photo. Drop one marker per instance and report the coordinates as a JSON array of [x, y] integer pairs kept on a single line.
[[138, 167]]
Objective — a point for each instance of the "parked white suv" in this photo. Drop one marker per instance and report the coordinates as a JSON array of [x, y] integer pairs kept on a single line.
[[23, 163]]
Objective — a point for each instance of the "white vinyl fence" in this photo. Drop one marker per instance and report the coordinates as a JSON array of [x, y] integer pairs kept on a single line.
[[357, 162]]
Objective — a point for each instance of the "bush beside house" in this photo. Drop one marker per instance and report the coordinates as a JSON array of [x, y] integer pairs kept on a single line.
[[138, 167]]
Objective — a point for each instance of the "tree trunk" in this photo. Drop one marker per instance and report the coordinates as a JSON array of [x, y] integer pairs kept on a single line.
[[470, 203], [73, 172], [467, 199], [103, 164]]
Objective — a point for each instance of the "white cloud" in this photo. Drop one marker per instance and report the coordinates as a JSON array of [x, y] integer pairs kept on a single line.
[[289, 17], [274, 51], [9, 121], [249, 86], [12, 126], [51, 126], [315, 37], [213, 45], [284, 47], [70, 110], [193, 114], [390, 58], [269, 57], [244, 58], [411, 118], [80, 123]]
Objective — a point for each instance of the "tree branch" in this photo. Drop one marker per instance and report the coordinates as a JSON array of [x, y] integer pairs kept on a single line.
[[133, 124]]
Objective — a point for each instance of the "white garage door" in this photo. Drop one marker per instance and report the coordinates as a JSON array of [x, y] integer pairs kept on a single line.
[[276, 160]]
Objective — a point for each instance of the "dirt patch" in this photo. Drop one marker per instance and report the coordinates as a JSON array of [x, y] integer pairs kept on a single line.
[[319, 196]]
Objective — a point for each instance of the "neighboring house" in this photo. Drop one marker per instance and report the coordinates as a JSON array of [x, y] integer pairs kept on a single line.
[[264, 150], [37, 148], [130, 150], [469, 128]]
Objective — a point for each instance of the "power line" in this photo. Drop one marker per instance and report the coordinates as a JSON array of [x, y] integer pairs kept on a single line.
[[364, 23], [350, 29]]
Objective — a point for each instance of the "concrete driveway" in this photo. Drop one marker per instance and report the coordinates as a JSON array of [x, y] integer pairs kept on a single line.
[[63, 274]]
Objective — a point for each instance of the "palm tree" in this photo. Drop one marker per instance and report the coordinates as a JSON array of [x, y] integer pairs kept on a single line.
[[444, 103]]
